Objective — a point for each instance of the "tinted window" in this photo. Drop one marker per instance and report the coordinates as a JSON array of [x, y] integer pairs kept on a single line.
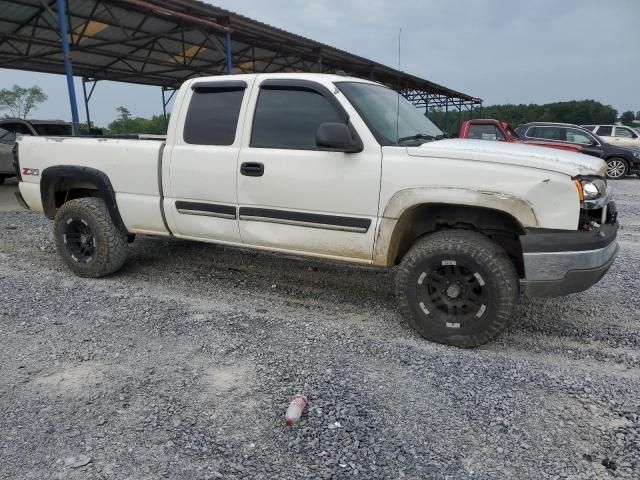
[[578, 136], [604, 131], [212, 118], [52, 129], [6, 136], [290, 118], [624, 132], [485, 132], [17, 128], [545, 133]]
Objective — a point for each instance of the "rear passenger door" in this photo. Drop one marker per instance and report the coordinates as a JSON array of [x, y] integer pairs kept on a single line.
[[200, 188]]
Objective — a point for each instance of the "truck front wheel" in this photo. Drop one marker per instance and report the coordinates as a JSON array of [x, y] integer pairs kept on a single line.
[[457, 287], [87, 239]]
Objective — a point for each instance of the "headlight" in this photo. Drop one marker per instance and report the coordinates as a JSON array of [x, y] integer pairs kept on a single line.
[[592, 192]]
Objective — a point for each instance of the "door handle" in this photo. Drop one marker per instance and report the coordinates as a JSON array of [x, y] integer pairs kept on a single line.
[[252, 169]]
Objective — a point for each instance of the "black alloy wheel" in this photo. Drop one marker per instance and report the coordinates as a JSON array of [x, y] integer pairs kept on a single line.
[[79, 240], [453, 289]]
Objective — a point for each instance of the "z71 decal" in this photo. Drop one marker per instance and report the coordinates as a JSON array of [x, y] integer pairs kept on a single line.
[[34, 172]]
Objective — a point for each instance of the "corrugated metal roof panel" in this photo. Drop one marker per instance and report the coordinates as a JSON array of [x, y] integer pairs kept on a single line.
[[167, 41]]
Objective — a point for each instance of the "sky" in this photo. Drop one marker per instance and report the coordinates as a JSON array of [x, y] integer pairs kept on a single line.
[[503, 51]]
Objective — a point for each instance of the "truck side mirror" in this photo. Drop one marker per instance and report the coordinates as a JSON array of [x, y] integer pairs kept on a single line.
[[336, 137]]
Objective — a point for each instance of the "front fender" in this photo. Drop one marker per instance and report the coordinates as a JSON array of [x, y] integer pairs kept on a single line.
[[403, 200], [517, 207]]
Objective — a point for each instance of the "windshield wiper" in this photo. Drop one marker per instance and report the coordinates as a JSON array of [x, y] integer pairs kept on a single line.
[[417, 136]]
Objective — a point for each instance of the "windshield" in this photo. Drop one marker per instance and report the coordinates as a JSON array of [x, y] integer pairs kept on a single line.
[[52, 129], [392, 119]]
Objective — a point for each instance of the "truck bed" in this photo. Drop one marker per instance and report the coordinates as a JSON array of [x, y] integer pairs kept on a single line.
[[132, 167]]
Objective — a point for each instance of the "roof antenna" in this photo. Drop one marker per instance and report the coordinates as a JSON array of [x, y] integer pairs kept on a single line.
[[398, 106]]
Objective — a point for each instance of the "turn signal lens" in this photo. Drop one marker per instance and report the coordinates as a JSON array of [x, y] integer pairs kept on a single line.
[[580, 192]]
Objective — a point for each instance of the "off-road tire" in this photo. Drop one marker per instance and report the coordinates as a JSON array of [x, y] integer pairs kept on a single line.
[[617, 165], [108, 242], [490, 271]]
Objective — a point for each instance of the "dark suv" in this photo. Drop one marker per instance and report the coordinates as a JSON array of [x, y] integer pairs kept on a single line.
[[10, 128], [620, 161]]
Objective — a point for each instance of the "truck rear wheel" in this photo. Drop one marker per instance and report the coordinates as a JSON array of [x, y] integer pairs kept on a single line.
[[457, 287], [87, 239]]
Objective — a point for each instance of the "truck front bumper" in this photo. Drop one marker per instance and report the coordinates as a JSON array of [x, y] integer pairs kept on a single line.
[[559, 263]]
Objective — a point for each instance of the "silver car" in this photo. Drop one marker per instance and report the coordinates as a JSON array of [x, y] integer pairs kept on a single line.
[[10, 128]]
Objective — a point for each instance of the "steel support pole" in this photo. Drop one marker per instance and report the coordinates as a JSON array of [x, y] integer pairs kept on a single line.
[[86, 104], [472, 111], [459, 114], [446, 116], [64, 37], [164, 108], [228, 53]]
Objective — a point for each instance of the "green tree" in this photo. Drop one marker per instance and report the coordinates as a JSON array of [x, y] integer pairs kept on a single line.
[[21, 101], [123, 113], [627, 118], [127, 124], [580, 112]]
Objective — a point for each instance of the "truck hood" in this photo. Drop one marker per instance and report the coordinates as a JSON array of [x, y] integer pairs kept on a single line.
[[531, 156]]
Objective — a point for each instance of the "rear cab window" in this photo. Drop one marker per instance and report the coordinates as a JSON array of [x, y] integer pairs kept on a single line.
[[485, 132], [214, 110]]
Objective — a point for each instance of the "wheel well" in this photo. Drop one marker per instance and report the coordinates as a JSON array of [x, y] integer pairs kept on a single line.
[[61, 184], [64, 190], [420, 220], [627, 162]]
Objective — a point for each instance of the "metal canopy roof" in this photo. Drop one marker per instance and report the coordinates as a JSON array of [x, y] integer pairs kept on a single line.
[[163, 42]]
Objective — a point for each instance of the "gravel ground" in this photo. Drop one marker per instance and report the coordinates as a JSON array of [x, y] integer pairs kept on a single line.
[[182, 366]]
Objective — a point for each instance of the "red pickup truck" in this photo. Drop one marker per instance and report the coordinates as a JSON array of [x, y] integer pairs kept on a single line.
[[497, 130]]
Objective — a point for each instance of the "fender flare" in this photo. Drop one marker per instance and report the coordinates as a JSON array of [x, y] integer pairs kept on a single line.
[[517, 207], [404, 200], [50, 177]]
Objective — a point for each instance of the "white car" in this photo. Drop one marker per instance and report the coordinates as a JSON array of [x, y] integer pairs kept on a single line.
[[338, 168], [617, 135]]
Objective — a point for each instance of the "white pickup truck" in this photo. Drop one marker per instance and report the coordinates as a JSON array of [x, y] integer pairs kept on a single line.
[[339, 168]]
